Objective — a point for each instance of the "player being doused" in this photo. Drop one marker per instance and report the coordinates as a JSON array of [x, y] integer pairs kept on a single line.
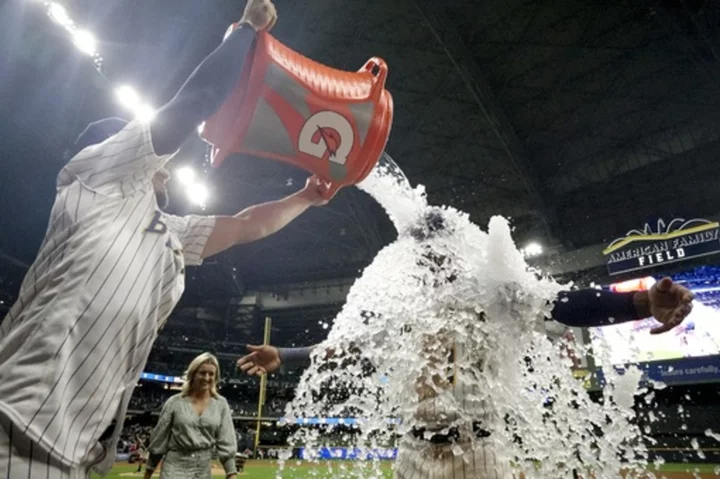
[[455, 426]]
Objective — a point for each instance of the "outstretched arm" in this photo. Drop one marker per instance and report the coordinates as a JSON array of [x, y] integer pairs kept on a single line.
[[591, 308], [260, 221], [212, 81], [668, 302], [268, 359], [113, 157]]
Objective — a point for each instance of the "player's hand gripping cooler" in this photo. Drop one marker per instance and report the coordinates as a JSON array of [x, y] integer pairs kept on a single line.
[[287, 107]]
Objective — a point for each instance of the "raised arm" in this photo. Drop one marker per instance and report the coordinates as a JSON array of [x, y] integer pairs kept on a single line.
[[114, 157], [268, 359], [212, 81]]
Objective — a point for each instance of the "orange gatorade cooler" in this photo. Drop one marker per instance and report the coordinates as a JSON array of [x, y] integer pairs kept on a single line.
[[287, 107]]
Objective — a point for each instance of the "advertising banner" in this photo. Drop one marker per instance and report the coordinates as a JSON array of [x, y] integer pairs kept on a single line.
[[345, 453], [678, 240]]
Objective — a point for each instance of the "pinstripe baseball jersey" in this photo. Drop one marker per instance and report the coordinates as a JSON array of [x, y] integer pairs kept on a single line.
[[108, 273], [462, 395]]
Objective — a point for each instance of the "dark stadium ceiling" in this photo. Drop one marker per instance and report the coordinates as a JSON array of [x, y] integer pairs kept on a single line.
[[579, 120]]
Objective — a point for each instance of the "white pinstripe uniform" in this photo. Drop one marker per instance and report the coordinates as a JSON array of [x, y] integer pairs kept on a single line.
[[420, 459], [109, 272]]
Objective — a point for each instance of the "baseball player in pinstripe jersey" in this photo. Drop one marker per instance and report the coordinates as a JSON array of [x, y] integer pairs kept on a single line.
[[427, 451], [109, 272]]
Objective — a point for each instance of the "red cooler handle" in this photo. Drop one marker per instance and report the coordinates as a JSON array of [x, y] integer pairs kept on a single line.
[[379, 77]]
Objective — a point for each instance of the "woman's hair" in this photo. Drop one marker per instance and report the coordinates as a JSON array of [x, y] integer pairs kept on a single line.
[[204, 358]]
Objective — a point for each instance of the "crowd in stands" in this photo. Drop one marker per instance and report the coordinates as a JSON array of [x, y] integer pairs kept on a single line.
[[200, 344], [144, 400], [150, 398]]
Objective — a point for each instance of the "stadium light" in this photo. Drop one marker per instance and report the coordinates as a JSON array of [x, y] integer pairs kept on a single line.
[[532, 250], [144, 113], [185, 175], [128, 97], [85, 42], [197, 194], [58, 13], [125, 95]]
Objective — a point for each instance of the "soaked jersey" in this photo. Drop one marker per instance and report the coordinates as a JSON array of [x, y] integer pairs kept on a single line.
[[460, 395]]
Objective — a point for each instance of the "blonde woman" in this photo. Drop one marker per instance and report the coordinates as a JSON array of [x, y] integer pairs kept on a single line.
[[192, 425]]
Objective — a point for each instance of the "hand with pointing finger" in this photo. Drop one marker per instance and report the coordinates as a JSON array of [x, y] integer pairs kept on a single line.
[[668, 302], [261, 360]]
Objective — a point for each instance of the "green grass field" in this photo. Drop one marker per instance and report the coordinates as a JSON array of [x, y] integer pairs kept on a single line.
[[253, 470], [267, 469]]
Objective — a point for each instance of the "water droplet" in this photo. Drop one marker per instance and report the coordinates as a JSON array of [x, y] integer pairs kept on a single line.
[[457, 450]]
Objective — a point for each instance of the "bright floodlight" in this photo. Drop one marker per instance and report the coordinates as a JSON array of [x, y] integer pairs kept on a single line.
[[85, 42], [128, 97], [197, 194], [144, 113], [58, 13], [185, 175], [532, 250]]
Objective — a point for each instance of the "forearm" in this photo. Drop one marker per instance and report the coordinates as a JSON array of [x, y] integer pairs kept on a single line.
[[230, 467], [593, 308], [203, 93], [153, 461], [228, 464], [295, 357], [227, 443], [265, 219], [253, 223], [159, 442]]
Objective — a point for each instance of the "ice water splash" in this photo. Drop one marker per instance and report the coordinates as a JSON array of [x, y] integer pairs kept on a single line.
[[445, 330]]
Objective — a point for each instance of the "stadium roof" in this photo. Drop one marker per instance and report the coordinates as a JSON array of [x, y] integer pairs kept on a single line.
[[580, 120]]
